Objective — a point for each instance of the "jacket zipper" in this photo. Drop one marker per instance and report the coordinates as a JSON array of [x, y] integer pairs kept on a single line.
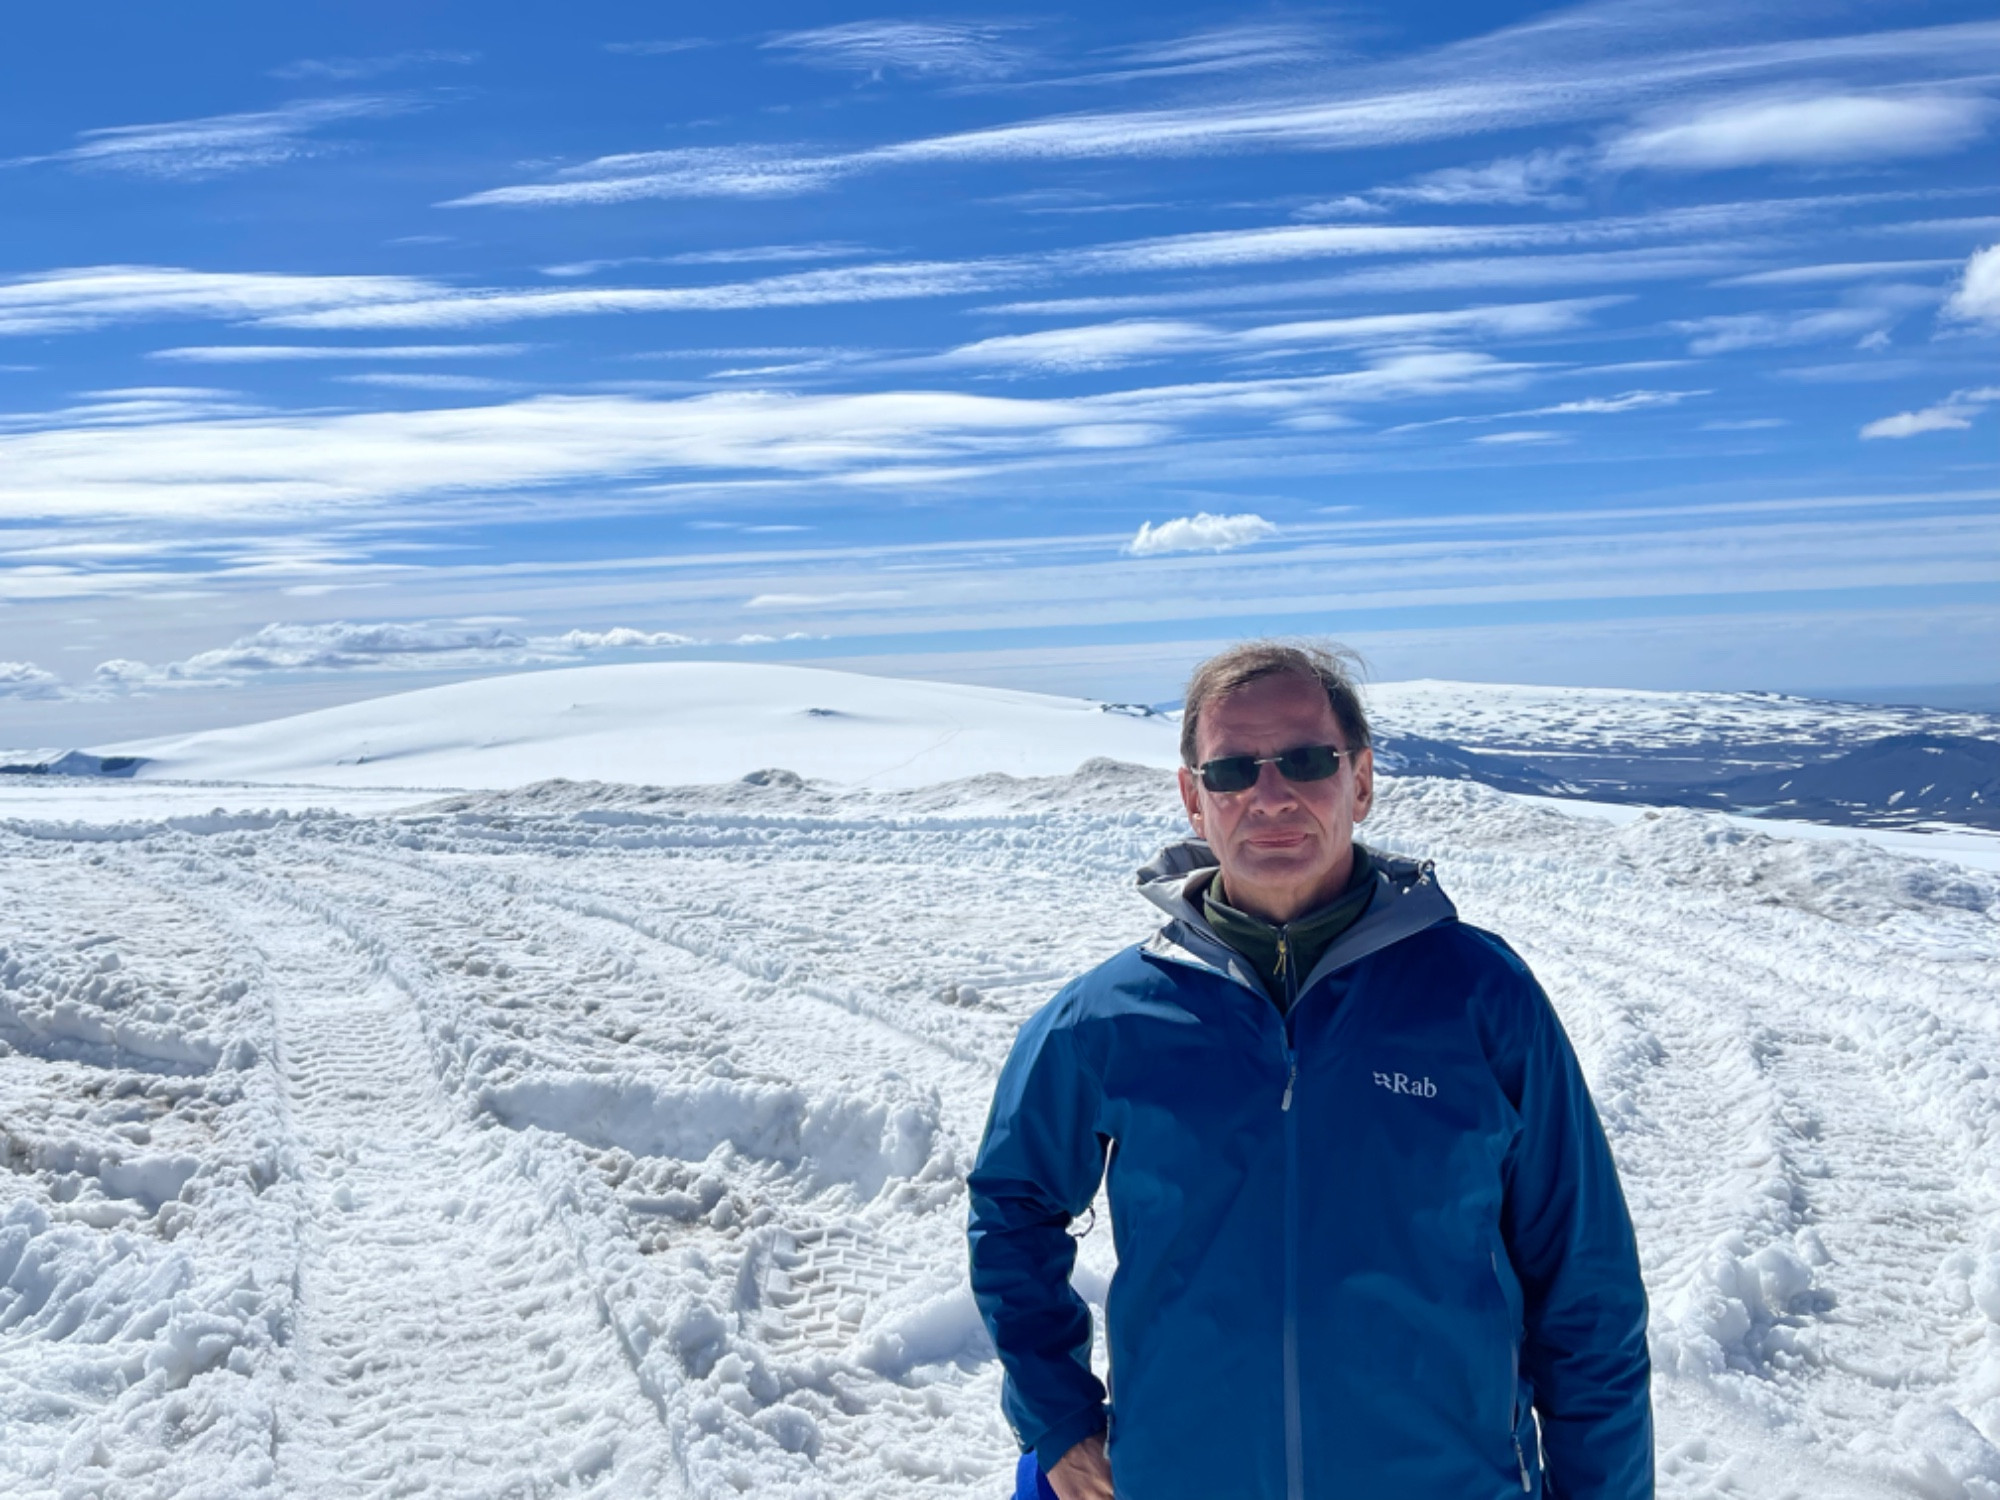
[[1295, 1465], [1514, 1368]]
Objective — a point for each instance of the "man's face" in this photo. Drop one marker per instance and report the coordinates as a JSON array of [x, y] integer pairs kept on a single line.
[[1285, 846]]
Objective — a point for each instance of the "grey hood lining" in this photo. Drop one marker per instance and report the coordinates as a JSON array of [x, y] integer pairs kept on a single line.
[[1407, 901]]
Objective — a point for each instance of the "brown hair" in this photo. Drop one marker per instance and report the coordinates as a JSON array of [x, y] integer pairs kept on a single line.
[[1333, 667]]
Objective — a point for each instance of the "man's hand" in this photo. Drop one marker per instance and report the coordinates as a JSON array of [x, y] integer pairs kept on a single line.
[[1083, 1473]]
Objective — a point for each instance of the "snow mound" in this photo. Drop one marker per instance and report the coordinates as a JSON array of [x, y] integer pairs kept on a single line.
[[669, 723]]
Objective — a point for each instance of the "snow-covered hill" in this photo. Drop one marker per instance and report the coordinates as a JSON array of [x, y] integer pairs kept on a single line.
[[668, 723]]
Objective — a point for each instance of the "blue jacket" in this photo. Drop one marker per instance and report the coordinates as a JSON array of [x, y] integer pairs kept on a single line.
[[1374, 1246]]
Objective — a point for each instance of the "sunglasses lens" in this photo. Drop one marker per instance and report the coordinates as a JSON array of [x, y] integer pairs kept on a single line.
[[1309, 763], [1231, 773]]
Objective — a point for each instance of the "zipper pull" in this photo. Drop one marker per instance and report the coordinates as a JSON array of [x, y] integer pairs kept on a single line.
[[1521, 1459], [1286, 1103], [1281, 950]]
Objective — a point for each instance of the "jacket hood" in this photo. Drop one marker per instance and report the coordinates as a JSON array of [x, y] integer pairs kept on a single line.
[[1407, 900]]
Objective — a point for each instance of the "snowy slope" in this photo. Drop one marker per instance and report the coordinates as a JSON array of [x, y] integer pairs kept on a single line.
[[668, 723], [609, 1141]]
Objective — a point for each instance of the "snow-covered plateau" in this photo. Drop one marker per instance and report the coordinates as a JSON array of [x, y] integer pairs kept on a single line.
[[592, 1137]]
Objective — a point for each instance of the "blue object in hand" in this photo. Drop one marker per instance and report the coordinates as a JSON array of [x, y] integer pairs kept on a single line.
[[1029, 1481]]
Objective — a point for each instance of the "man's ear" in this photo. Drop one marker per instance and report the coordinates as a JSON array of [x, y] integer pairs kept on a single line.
[[1191, 800], [1364, 783]]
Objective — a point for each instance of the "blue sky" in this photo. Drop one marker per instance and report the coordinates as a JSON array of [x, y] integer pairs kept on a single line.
[[351, 348]]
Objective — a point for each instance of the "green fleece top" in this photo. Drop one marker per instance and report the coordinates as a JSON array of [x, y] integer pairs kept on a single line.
[[1296, 946]]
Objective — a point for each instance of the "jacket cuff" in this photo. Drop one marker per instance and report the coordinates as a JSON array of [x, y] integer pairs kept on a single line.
[[1058, 1439]]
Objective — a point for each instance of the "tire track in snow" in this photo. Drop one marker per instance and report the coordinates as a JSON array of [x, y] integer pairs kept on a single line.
[[826, 1302], [449, 1345]]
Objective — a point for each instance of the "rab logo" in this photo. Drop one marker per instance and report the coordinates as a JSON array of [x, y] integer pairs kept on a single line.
[[1403, 1083]]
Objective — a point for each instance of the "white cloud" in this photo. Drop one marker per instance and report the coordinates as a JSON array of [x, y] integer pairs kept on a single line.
[[686, 172], [1587, 63], [221, 354], [1609, 267], [1978, 295], [1806, 131], [1855, 270], [95, 296], [1199, 533], [461, 309], [1537, 177], [620, 638], [343, 646], [664, 47], [730, 256], [1101, 346], [1520, 437], [955, 49], [1107, 345], [1604, 405], [1729, 332], [1245, 44], [352, 69], [317, 463], [23, 679], [220, 143], [413, 380], [808, 601], [135, 406], [1953, 414]]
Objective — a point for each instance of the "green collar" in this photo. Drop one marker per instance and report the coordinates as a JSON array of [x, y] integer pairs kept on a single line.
[[1284, 955]]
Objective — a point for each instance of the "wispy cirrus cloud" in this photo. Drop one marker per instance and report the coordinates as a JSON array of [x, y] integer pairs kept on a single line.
[[736, 255], [685, 172], [1804, 130], [1725, 333], [355, 69], [1539, 177], [220, 144], [610, 452], [1456, 274], [88, 297], [97, 296], [1587, 406], [1856, 270], [1108, 345], [226, 354], [953, 49], [1591, 64]]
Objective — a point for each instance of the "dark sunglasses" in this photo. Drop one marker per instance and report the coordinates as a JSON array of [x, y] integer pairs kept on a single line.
[[1238, 773]]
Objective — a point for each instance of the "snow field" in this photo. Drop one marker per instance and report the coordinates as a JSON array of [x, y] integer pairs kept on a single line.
[[610, 1140]]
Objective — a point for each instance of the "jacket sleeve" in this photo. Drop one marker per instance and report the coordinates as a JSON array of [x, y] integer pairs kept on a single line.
[[1584, 1305], [1039, 1166]]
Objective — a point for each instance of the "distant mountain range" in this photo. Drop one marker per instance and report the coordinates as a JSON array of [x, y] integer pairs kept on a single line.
[[1756, 753], [1896, 781]]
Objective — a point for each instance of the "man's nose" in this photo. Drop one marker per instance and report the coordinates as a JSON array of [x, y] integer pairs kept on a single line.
[[1271, 787]]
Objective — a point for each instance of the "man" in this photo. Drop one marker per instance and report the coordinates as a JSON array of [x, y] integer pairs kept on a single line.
[[1370, 1238]]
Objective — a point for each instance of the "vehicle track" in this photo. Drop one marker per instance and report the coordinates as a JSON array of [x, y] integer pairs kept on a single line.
[[447, 1343]]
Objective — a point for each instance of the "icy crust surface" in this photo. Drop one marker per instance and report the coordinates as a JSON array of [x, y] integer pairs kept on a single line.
[[606, 1140]]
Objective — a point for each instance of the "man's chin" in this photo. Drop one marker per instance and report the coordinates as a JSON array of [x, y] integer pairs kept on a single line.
[[1304, 862]]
